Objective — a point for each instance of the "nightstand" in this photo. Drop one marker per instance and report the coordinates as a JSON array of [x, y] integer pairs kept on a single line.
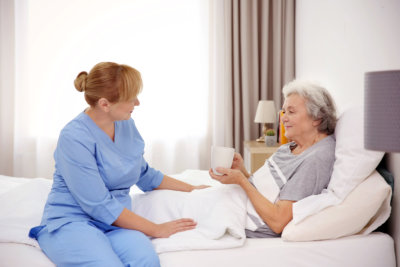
[[255, 154]]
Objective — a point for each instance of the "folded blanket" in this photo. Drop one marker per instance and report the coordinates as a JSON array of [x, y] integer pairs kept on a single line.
[[220, 213]]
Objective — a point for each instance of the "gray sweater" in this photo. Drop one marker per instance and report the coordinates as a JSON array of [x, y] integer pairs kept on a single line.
[[307, 174]]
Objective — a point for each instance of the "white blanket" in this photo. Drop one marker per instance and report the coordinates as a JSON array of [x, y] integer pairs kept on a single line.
[[220, 213]]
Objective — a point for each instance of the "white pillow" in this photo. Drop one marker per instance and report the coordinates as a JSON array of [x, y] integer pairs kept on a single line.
[[363, 210], [353, 163], [22, 208], [8, 182]]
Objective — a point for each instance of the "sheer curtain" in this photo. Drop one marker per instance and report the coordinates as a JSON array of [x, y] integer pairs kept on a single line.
[[46, 43], [205, 64], [7, 83]]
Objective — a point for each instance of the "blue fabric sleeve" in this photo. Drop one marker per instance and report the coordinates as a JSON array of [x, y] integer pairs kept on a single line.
[[77, 164], [149, 177]]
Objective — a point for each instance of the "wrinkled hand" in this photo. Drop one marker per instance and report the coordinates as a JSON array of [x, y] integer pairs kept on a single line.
[[229, 176], [237, 163], [167, 229]]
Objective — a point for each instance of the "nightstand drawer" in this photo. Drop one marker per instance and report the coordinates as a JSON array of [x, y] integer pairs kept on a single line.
[[255, 154]]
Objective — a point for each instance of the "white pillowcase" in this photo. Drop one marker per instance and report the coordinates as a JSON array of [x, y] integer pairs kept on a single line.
[[363, 210], [22, 208], [353, 163]]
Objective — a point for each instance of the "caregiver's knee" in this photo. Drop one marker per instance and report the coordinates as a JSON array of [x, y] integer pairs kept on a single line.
[[145, 260]]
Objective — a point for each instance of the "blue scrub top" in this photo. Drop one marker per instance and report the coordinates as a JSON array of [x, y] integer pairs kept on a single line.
[[94, 174]]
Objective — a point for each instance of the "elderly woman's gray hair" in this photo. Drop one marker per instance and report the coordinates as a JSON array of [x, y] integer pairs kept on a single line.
[[320, 104]]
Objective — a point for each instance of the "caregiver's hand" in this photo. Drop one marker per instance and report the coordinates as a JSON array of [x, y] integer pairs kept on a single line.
[[229, 176], [169, 228], [170, 183]]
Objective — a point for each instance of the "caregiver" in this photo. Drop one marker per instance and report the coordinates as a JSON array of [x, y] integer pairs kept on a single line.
[[300, 168], [87, 220]]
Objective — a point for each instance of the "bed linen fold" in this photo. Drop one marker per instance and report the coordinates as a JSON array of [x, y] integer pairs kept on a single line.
[[220, 213]]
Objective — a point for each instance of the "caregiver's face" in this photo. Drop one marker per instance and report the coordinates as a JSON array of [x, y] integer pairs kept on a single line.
[[298, 124], [123, 110]]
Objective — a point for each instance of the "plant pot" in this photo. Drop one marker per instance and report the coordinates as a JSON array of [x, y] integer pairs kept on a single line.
[[270, 140]]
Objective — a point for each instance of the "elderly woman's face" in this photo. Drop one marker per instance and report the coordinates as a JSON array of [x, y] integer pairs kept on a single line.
[[298, 124]]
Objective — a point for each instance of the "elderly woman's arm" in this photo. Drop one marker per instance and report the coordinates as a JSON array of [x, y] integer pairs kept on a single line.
[[238, 164], [275, 215]]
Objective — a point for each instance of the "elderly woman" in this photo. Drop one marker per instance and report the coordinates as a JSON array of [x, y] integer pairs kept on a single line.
[[306, 162]]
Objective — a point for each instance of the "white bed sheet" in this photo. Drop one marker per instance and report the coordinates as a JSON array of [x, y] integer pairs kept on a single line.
[[376, 249]]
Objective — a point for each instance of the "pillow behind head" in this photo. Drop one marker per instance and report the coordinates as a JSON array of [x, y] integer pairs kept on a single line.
[[353, 163]]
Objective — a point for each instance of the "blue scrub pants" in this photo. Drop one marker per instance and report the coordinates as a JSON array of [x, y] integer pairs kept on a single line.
[[85, 244]]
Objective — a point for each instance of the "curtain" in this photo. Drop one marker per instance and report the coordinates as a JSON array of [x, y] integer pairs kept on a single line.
[[7, 65], [46, 43], [205, 65], [253, 58]]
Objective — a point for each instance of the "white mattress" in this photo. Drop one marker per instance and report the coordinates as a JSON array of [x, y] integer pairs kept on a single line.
[[376, 249]]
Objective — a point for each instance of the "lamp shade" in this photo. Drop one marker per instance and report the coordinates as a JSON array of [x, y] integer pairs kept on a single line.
[[382, 111], [266, 112]]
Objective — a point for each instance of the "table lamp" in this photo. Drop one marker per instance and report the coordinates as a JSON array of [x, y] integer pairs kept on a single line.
[[265, 113], [382, 110]]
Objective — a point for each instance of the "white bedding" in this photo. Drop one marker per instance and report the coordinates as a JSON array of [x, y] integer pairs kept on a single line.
[[200, 248], [373, 250], [220, 213]]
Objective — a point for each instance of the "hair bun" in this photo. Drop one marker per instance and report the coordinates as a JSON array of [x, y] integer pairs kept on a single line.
[[80, 81]]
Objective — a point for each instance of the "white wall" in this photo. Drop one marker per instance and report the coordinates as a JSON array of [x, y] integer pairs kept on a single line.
[[337, 41]]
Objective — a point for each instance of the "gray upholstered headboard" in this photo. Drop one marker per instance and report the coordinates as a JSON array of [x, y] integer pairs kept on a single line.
[[393, 225]]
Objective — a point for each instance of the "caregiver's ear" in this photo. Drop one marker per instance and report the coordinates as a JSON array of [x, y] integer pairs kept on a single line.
[[104, 104]]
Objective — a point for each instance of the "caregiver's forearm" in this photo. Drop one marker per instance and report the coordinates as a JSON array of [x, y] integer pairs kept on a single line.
[[130, 220], [174, 184], [277, 215]]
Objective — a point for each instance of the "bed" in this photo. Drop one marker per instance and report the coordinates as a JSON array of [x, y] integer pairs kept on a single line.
[[335, 228], [372, 250]]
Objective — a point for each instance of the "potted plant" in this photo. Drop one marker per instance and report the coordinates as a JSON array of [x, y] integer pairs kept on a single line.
[[270, 139]]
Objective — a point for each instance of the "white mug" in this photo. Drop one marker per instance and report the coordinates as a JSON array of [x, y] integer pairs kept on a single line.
[[221, 157]]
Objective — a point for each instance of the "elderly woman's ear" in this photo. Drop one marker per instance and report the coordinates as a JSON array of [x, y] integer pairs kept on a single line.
[[317, 122]]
